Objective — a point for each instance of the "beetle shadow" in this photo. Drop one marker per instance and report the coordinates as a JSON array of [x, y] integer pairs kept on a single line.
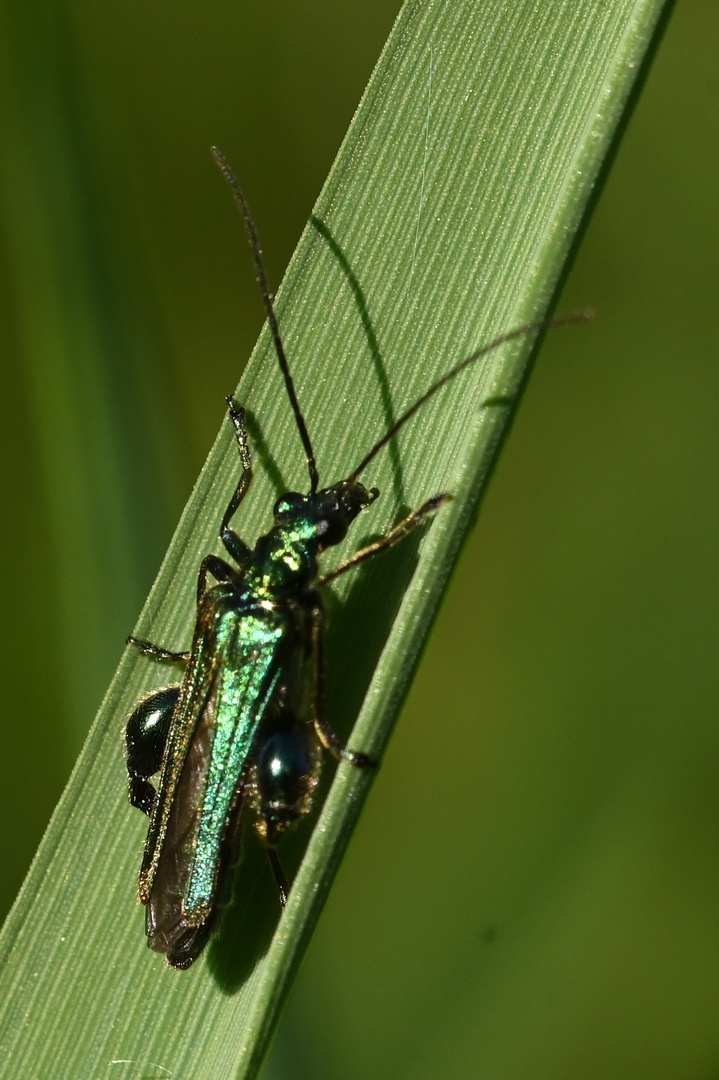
[[388, 411], [260, 447], [364, 619], [261, 452], [248, 922]]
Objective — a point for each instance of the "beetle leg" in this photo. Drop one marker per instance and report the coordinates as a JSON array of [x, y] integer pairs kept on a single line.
[[279, 875], [237, 547], [394, 536], [157, 652], [220, 570], [325, 734], [145, 738]]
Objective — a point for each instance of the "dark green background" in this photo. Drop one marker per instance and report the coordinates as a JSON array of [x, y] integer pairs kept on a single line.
[[534, 887]]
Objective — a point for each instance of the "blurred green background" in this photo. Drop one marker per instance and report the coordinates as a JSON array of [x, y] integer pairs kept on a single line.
[[534, 887]]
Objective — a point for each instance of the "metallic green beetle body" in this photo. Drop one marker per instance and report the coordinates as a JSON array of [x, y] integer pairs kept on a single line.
[[237, 735]]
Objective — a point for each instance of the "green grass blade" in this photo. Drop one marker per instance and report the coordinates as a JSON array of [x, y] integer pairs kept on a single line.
[[447, 219]]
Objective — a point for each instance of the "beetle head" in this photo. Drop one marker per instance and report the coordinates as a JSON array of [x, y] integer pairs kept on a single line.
[[330, 512]]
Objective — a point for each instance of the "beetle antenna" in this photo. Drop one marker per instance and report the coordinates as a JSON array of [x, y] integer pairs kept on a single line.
[[520, 331], [269, 308]]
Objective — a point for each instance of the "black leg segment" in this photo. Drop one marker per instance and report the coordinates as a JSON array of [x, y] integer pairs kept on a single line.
[[237, 547], [220, 570], [157, 652]]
